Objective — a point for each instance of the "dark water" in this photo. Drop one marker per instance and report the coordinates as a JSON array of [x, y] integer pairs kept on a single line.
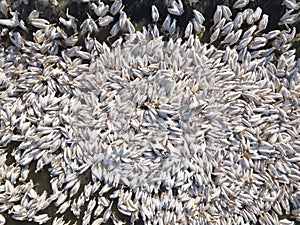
[[139, 12]]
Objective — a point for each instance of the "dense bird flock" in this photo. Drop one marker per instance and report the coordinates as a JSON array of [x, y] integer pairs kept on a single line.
[[156, 126]]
